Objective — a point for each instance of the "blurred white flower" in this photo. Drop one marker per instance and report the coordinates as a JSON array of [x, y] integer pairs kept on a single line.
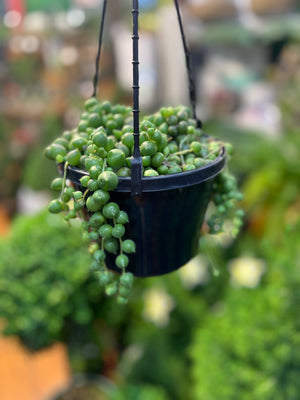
[[195, 272], [68, 55], [246, 271], [30, 44], [75, 17], [158, 305], [12, 19], [37, 21]]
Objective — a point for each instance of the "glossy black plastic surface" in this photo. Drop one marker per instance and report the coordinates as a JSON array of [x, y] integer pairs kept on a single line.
[[165, 226], [163, 182]]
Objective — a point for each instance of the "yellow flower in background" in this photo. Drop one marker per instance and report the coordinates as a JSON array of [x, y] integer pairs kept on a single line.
[[246, 271], [195, 272], [158, 306]]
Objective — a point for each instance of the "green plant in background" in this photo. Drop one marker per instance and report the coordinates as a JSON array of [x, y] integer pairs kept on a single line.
[[102, 146], [44, 283], [248, 347], [140, 392], [48, 295]]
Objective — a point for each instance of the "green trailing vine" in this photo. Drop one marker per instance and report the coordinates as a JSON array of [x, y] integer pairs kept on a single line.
[[102, 145]]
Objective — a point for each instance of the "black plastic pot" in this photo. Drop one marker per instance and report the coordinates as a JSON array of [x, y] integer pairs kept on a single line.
[[165, 221]]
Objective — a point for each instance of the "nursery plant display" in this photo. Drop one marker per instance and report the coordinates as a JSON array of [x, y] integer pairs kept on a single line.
[[102, 146]]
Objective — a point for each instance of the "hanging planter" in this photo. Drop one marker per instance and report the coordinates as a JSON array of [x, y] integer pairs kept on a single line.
[[166, 220], [141, 189]]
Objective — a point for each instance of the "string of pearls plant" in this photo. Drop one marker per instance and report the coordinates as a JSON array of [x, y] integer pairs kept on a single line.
[[102, 146]]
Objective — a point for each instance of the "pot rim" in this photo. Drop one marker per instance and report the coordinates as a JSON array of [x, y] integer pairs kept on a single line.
[[161, 182]]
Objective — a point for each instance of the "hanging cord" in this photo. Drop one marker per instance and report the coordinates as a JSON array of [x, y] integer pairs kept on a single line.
[[136, 162], [192, 90], [96, 76]]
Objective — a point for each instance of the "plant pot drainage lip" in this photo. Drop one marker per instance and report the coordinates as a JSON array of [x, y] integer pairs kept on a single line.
[[162, 182]]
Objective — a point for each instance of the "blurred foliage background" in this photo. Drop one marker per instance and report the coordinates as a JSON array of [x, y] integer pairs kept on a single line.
[[190, 334]]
